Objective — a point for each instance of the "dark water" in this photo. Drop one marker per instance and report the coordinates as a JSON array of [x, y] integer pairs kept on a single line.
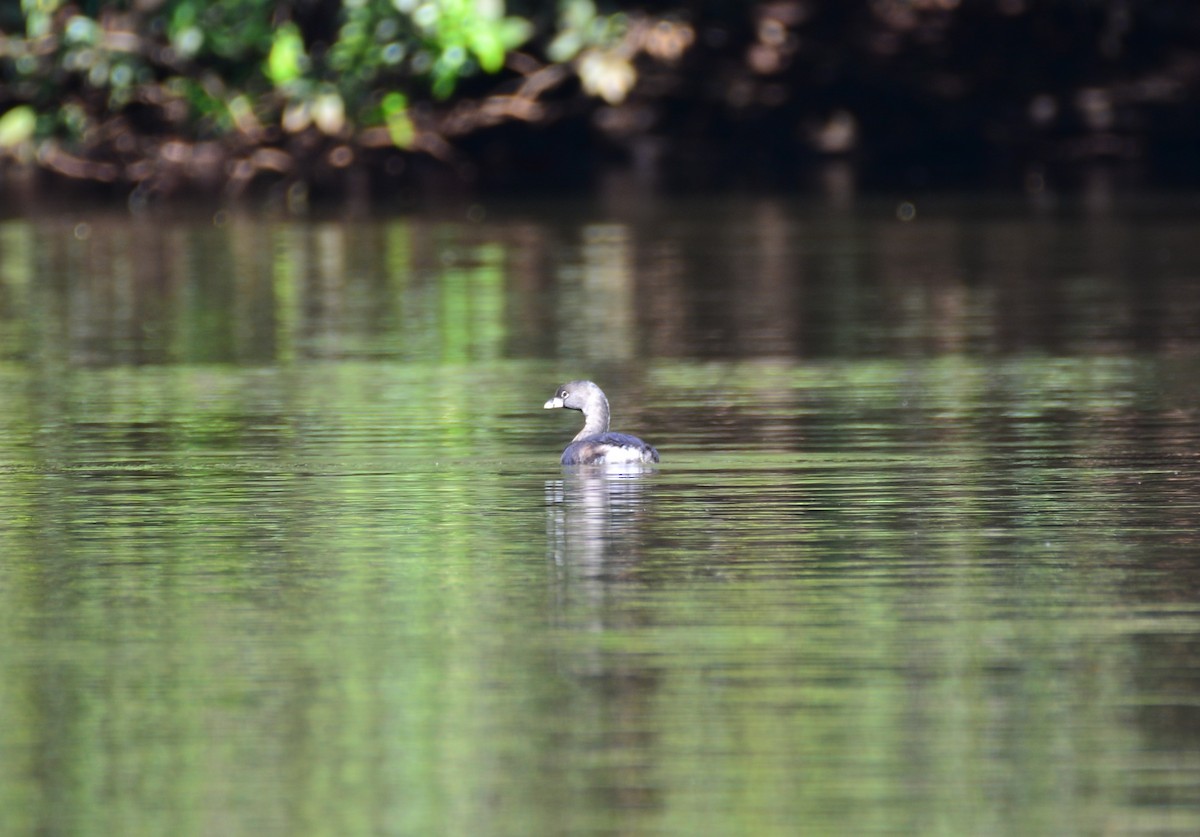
[[285, 547]]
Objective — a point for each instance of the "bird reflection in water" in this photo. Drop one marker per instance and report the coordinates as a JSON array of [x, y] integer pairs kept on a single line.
[[594, 519]]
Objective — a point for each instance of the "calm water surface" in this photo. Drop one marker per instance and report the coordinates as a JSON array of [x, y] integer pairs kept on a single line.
[[285, 547]]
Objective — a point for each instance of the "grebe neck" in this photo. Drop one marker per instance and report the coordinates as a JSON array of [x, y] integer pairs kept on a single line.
[[595, 415]]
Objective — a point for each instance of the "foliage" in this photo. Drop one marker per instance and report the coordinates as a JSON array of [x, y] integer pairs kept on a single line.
[[121, 90], [195, 67]]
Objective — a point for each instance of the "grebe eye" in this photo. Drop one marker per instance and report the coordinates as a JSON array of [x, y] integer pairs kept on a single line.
[[563, 394]]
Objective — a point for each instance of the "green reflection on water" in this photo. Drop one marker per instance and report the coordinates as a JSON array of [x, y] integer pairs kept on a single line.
[[285, 548], [255, 599]]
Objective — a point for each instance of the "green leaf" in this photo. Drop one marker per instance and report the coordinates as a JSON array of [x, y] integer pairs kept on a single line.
[[287, 60], [565, 46], [514, 31], [399, 123], [81, 30], [17, 126], [487, 47], [576, 14], [39, 16], [446, 71]]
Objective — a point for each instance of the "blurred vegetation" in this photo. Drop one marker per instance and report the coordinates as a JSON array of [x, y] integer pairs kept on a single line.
[[168, 94]]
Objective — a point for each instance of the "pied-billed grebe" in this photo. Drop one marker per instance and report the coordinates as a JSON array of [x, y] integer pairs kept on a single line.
[[595, 445]]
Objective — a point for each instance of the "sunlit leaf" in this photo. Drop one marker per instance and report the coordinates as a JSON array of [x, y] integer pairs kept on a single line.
[[565, 46], [81, 29], [39, 16], [487, 48], [17, 126], [329, 112], [296, 117], [491, 10], [606, 74], [285, 63], [514, 31], [241, 111], [187, 41], [446, 70], [577, 14], [399, 124]]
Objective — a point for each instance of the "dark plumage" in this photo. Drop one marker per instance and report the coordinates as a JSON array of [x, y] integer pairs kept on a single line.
[[595, 444]]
